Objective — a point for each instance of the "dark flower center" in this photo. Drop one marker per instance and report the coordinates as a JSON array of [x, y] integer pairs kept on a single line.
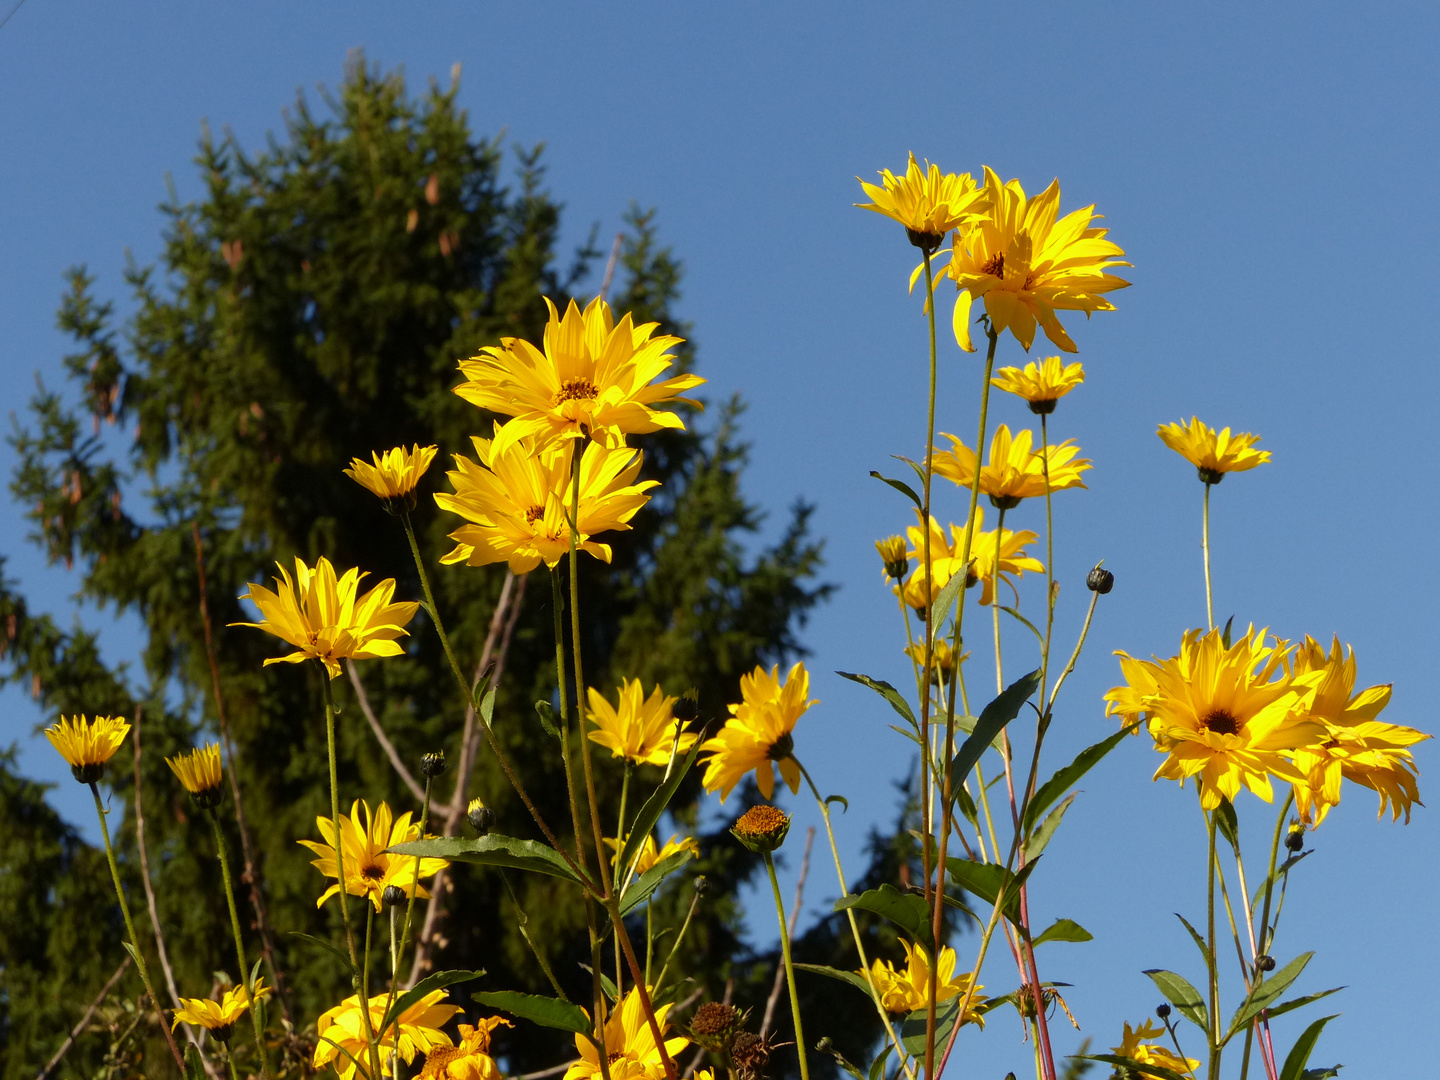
[[534, 514], [1222, 723], [995, 265], [372, 872], [576, 390]]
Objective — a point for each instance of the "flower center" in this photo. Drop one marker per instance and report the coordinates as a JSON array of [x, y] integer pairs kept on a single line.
[[995, 265], [615, 1055], [576, 390], [372, 873], [1222, 723], [534, 514]]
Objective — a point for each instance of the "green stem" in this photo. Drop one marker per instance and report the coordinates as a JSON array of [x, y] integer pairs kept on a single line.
[[789, 969], [1049, 558], [1213, 1035], [619, 846], [242, 977], [398, 950], [355, 973], [557, 603], [230, 1061], [928, 613], [130, 929], [577, 462], [394, 979], [1205, 548], [660, 979]]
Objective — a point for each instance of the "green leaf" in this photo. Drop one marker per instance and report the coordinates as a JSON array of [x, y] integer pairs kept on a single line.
[[1266, 991], [1199, 941], [877, 1067], [905, 910], [1182, 995], [902, 487], [940, 610], [643, 886], [481, 691], [824, 1046], [1135, 1066], [884, 689], [438, 981], [1013, 613], [967, 806], [1064, 930], [853, 978], [194, 1063], [1299, 1056], [611, 991], [986, 880], [254, 971], [1050, 791], [1041, 836], [912, 1030], [1227, 824], [492, 850], [336, 952], [545, 1011], [1300, 1002], [546, 712], [654, 807], [993, 719], [844, 802]]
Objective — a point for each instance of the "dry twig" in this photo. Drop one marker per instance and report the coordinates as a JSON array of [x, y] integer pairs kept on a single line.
[[84, 1020]]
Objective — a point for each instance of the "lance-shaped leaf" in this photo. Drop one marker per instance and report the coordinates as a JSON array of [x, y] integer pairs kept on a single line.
[[1136, 1067], [1051, 791], [338, 953], [986, 880], [1267, 991], [1228, 824], [1299, 1056], [902, 487], [654, 807], [1182, 995], [884, 689], [1035, 845], [194, 1064], [438, 981], [905, 910], [1064, 930], [1300, 1002], [854, 978], [491, 850], [643, 886], [945, 602], [545, 1011], [992, 721]]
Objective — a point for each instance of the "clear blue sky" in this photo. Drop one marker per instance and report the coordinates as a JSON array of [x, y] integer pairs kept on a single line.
[[1271, 171]]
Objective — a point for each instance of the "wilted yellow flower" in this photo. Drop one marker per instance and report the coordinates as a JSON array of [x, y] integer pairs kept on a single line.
[[1026, 265], [1041, 385], [1015, 471], [368, 869], [757, 735], [927, 202], [395, 474], [638, 729], [199, 772], [218, 1017], [630, 1044], [1213, 454], [1355, 746], [518, 498], [417, 1031], [593, 378], [1132, 1047], [87, 745], [1227, 717], [650, 855], [906, 989], [324, 619], [470, 1060], [946, 555]]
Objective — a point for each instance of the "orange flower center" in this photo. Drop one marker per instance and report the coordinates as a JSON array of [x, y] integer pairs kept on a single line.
[[576, 390], [1222, 723], [534, 514], [995, 265]]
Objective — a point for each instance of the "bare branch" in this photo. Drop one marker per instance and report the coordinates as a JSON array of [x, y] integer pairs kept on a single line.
[[380, 736], [779, 982], [610, 265], [84, 1020]]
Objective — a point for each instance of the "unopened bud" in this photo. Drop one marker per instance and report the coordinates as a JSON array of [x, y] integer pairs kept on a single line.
[[480, 816], [393, 896], [1295, 840], [433, 764], [1100, 580], [1265, 963], [687, 706], [1162, 1011], [701, 884]]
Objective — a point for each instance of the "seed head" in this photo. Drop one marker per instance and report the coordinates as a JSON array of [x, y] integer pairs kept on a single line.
[[762, 828]]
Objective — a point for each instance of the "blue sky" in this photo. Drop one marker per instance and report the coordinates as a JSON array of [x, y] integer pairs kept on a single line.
[[1270, 170]]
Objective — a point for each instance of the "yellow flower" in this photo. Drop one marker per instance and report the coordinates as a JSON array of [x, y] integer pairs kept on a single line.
[[1132, 1047], [368, 870], [1015, 471], [395, 474], [928, 203], [417, 1030], [1227, 717], [640, 730], [650, 855], [757, 735], [325, 620], [1041, 385], [907, 989], [87, 745], [1141, 683], [593, 378], [1026, 265], [470, 1060], [518, 498], [893, 556], [1355, 745], [630, 1044], [1213, 454], [944, 657], [218, 1017], [945, 557], [199, 772]]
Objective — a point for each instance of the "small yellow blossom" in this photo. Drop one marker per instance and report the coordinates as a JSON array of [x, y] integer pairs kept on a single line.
[[904, 990], [1132, 1047], [394, 474], [1213, 453], [630, 1044], [416, 1031], [218, 1017], [757, 735], [637, 729], [1015, 470], [944, 663], [87, 745], [946, 556], [1041, 385], [368, 869], [927, 202], [471, 1060], [199, 772], [650, 855]]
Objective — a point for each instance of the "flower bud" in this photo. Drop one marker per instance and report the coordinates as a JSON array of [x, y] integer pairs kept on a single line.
[[715, 1025], [1100, 580], [701, 884], [1265, 963], [892, 554], [687, 706], [762, 828], [393, 896], [1295, 839], [433, 764], [480, 816], [1162, 1011]]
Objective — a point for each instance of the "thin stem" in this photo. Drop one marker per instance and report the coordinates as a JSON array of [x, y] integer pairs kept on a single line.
[[557, 603], [130, 929], [1213, 1034], [928, 613], [394, 978], [995, 607], [1205, 548], [1049, 557], [242, 976], [800, 1047], [396, 952], [665, 967], [615, 873], [355, 973], [577, 461]]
